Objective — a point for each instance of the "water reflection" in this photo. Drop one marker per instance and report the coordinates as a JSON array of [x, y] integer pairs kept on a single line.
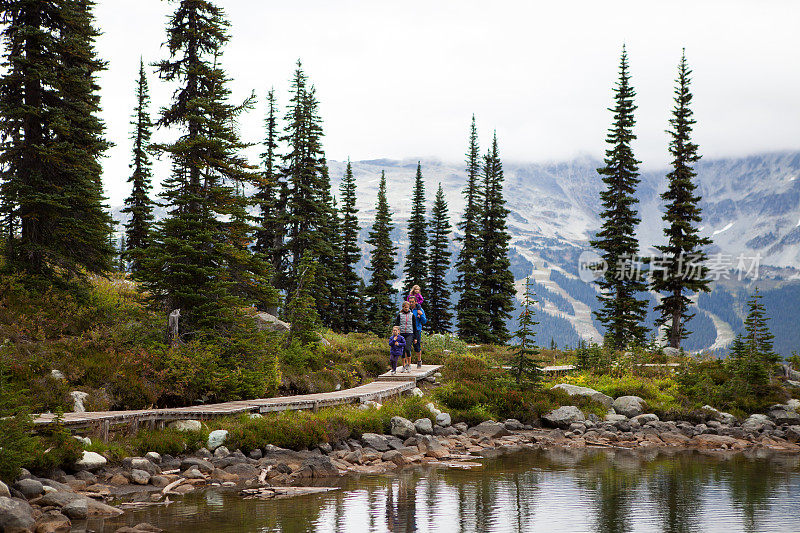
[[606, 491]]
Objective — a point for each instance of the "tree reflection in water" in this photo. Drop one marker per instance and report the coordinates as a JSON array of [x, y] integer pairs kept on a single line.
[[604, 491]]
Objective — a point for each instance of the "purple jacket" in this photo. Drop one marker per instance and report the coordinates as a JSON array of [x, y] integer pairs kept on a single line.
[[396, 351], [418, 297]]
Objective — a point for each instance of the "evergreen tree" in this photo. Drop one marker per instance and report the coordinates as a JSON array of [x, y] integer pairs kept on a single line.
[[497, 282], [51, 199], [305, 173], [621, 312], [138, 204], [758, 338], [416, 267], [380, 294], [200, 261], [471, 321], [301, 310], [524, 364], [271, 194], [680, 269], [350, 306], [438, 302]]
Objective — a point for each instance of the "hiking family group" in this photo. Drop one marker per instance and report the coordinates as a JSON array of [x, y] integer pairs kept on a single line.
[[407, 331]]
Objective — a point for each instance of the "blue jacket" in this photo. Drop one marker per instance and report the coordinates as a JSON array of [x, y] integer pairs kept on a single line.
[[419, 317], [396, 351]]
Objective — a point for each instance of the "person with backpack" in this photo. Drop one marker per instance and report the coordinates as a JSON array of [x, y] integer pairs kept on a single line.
[[408, 326], [419, 320]]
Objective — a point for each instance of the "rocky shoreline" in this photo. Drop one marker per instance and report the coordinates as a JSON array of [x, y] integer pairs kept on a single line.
[[64, 500]]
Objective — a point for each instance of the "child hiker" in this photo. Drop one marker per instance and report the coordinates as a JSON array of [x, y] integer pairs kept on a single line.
[[416, 292], [397, 345], [419, 320], [408, 325]]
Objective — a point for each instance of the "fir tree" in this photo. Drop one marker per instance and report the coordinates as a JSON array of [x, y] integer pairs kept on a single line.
[[51, 198], [138, 204], [416, 267], [524, 364], [471, 321], [271, 194], [680, 271], [380, 293], [497, 282], [350, 305], [301, 310], [200, 262], [438, 302], [621, 312], [305, 173], [758, 338]]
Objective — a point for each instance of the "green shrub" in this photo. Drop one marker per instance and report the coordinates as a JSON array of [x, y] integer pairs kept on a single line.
[[17, 445], [169, 441]]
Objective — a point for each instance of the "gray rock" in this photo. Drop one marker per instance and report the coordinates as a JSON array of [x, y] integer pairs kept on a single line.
[[423, 425], [783, 416], [222, 452], [629, 406], [461, 427], [193, 473], [320, 466], [577, 428], [645, 418], [4, 492], [440, 431], [793, 404], [85, 441], [186, 425], [58, 499], [88, 477], [140, 477], [443, 420], [725, 418], [266, 321], [373, 440], [243, 470], [490, 428], [669, 351], [140, 463], [201, 464], [256, 454], [30, 488], [153, 457], [216, 439], [394, 443], [512, 424], [58, 375], [417, 392], [77, 509], [757, 422], [402, 427], [90, 461], [792, 434], [563, 416], [15, 515], [53, 522], [614, 418], [793, 383], [431, 447], [203, 453], [575, 390]]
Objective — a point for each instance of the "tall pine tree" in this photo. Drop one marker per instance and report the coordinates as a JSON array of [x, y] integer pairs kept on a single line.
[[438, 302], [680, 268], [416, 267], [524, 364], [138, 205], [350, 304], [271, 196], [497, 282], [471, 323], [200, 261], [380, 294], [758, 338], [51, 199], [621, 312]]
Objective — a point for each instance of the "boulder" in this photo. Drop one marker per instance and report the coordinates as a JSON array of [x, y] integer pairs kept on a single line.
[[629, 406], [4, 492], [757, 422], [432, 408], [714, 441], [78, 398], [431, 447], [440, 431], [266, 321], [793, 434], [614, 418], [53, 522], [669, 351], [423, 425], [575, 390], [153, 457], [443, 420], [793, 404], [243, 470], [216, 439], [512, 424], [58, 375], [186, 425], [201, 464], [77, 510], [30, 488], [394, 456], [781, 415], [15, 515], [140, 477], [402, 427], [417, 392], [490, 428], [319, 466], [645, 418], [140, 463], [90, 461], [85, 441], [373, 440], [563, 417]]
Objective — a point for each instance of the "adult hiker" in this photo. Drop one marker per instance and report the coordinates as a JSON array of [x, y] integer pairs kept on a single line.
[[407, 323], [419, 320]]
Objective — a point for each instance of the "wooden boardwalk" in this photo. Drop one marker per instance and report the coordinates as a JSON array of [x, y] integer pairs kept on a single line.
[[383, 387]]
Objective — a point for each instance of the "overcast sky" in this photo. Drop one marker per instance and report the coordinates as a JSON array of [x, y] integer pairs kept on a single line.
[[402, 79]]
